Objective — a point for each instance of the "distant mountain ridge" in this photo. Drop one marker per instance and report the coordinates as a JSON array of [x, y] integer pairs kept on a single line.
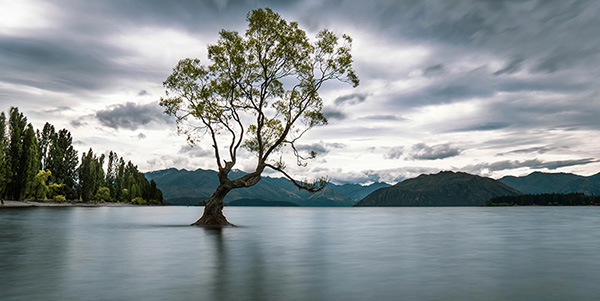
[[446, 188], [181, 186], [540, 182]]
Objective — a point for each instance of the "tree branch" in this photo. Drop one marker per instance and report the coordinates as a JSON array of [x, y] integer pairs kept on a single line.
[[312, 188]]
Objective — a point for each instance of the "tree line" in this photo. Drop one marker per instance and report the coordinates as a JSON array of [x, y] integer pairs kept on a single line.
[[546, 199], [44, 165]]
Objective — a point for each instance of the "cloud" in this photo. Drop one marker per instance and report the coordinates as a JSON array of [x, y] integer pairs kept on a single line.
[[333, 114], [525, 72], [59, 64], [141, 136], [57, 110], [131, 116], [394, 153], [538, 150], [434, 70], [422, 151], [384, 117], [486, 126], [486, 168], [351, 99], [320, 148], [512, 67], [392, 175], [195, 151]]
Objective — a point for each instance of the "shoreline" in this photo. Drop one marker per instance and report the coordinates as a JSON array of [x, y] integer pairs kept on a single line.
[[22, 204]]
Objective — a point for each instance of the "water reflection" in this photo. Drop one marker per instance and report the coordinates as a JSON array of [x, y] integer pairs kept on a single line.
[[300, 254]]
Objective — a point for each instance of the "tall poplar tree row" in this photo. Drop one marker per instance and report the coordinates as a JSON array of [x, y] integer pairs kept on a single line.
[[39, 165]]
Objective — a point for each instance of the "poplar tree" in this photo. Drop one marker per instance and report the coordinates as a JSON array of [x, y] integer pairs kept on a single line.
[[61, 159], [4, 159], [46, 137], [22, 155]]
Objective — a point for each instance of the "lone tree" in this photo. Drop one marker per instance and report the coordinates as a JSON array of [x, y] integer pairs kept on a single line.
[[260, 93]]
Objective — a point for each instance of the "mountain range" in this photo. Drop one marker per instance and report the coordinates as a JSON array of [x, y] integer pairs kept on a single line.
[[184, 187], [446, 188], [539, 182]]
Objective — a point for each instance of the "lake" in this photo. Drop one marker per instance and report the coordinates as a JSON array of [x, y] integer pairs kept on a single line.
[[151, 253]]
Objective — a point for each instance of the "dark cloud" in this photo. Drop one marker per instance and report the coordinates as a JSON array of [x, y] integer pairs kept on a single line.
[[333, 114], [512, 67], [319, 148], [422, 151], [131, 116], [78, 122], [351, 99], [562, 58], [486, 126], [59, 64], [483, 168], [57, 110], [394, 153], [434, 70], [141, 136], [565, 163], [143, 93], [537, 112], [537, 150]]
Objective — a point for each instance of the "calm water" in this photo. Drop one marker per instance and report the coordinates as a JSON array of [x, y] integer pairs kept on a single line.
[[136, 253]]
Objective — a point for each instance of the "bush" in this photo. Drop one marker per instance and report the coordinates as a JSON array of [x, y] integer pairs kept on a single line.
[[154, 203], [54, 190], [103, 194], [59, 198], [138, 201]]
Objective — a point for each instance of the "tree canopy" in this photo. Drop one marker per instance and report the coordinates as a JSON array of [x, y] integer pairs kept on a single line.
[[259, 92]]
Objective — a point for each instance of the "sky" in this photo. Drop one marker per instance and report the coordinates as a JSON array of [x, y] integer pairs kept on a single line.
[[491, 88]]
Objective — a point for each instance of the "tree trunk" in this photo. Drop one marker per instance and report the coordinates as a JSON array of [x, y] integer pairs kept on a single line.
[[213, 211]]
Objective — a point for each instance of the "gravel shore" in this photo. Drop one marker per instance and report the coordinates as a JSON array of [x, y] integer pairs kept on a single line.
[[12, 204]]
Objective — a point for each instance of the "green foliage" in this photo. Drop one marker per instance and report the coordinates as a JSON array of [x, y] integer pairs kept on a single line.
[[39, 187], [126, 196], [54, 189], [61, 158], [103, 194], [270, 75], [154, 194], [138, 201], [89, 172], [22, 157], [111, 174], [59, 199], [45, 140], [155, 202], [44, 165], [4, 157]]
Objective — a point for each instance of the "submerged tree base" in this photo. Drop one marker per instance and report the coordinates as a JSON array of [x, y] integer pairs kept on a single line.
[[213, 219]]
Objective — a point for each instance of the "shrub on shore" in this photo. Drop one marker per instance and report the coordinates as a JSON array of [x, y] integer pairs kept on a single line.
[[138, 201], [59, 198]]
